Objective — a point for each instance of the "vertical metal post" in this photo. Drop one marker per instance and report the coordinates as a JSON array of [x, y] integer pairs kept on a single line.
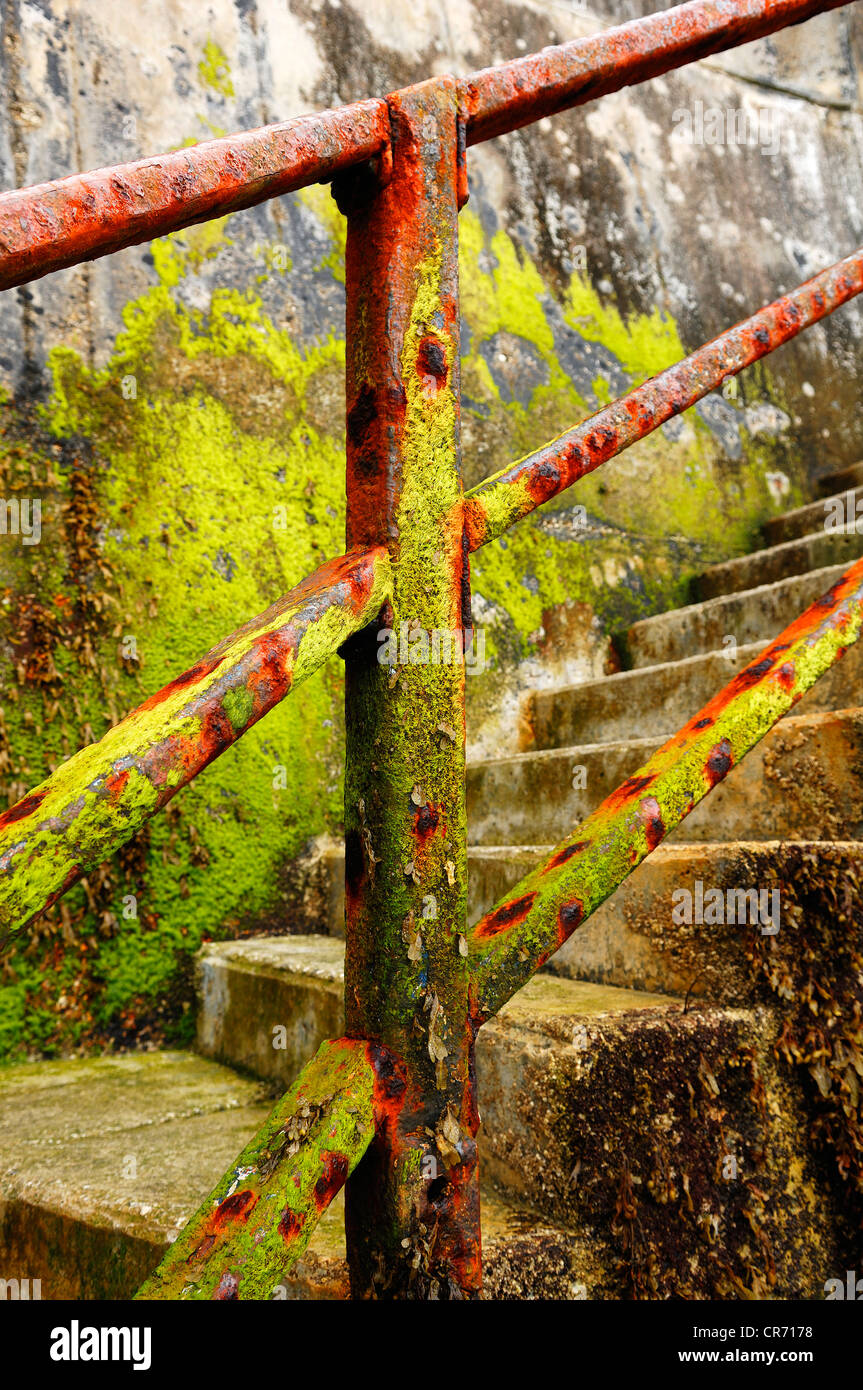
[[413, 1202]]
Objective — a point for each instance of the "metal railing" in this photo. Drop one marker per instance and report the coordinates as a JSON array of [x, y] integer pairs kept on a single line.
[[391, 1108]]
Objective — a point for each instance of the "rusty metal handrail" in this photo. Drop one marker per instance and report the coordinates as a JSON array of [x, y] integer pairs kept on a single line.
[[370, 1109], [55, 225]]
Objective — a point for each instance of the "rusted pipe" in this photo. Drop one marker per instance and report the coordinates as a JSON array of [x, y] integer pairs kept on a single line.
[[412, 1207], [504, 498], [96, 801], [58, 224], [514, 94], [260, 1217]]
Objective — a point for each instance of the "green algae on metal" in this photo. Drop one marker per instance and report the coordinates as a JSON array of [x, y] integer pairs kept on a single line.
[[236, 423], [96, 801], [520, 933], [406, 979], [260, 1217]]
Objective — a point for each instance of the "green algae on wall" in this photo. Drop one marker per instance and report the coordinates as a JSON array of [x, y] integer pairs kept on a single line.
[[197, 476], [214, 70], [202, 525]]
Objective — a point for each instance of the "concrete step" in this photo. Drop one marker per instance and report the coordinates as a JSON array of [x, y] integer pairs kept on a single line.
[[666, 929], [804, 520], [619, 706], [673, 1141], [588, 1092], [801, 782], [105, 1159], [831, 483], [265, 1004], [758, 615], [632, 941], [800, 556]]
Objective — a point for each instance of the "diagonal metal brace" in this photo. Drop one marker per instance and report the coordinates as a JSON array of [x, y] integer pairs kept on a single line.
[[511, 942]]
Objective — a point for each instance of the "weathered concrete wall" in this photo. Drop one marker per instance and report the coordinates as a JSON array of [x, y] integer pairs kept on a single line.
[[178, 408]]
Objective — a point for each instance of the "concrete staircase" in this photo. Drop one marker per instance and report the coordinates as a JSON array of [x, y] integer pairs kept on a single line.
[[654, 1104]]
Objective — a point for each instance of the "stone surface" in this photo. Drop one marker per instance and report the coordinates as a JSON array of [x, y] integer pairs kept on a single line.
[[640, 937], [816, 551], [758, 615], [85, 92], [171, 402], [665, 697], [672, 1140], [242, 988], [841, 479], [802, 521], [801, 782], [104, 1159]]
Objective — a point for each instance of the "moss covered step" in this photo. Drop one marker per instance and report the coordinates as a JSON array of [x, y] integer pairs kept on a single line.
[[618, 706], [688, 921], [801, 782], [758, 615], [266, 1004], [673, 1141], [105, 1159], [831, 483], [804, 520], [815, 551]]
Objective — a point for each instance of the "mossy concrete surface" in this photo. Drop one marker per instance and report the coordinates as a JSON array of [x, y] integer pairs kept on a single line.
[[104, 1159], [640, 939], [753, 616], [672, 692], [672, 1140]]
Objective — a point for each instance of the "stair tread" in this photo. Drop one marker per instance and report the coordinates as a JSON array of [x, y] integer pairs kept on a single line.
[[67, 1128], [639, 673], [839, 478], [797, 783], [781, 547], [544, 996], [787, 559], [788, 724], [817, 508], [830, 574], [750, 615]]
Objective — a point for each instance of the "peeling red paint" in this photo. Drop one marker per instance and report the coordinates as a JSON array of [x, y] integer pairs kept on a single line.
[[290, 1224], [629, 790], [504, 917], [115, 784], [654, 826], [27, 806], [719, 762], [564, 854], [237, 1207]]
